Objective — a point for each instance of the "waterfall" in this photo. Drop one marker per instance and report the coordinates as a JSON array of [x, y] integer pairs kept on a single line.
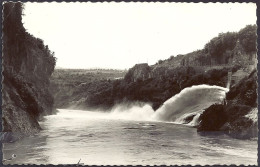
[[189, 103]]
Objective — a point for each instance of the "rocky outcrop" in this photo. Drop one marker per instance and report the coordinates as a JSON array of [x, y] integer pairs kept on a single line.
[[234, 117], [226, 50], [27, 67], [138, 72], [231, 119], [244, 92]]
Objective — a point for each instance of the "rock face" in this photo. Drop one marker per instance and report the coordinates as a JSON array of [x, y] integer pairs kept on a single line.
[[226, 50], [139, 71], [233, 117], [230, 57], [244, 92], [27, 67], [212, 119]]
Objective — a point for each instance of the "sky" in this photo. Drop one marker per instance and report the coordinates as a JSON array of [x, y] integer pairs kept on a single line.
[[120, 35]]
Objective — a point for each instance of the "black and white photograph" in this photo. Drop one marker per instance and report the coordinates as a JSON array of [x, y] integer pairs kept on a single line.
[[129, 83]]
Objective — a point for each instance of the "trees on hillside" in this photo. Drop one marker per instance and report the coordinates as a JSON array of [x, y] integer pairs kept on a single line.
[[224, 42], [247, 37], [218, 45]]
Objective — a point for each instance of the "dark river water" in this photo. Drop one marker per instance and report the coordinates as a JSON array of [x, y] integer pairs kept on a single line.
[[107, 139]]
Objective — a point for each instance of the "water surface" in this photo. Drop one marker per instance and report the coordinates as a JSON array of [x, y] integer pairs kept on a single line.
[[102, 138]]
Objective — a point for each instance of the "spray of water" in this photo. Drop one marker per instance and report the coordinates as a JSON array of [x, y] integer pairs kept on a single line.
[[190, 101], [187, 105], [138, 112]]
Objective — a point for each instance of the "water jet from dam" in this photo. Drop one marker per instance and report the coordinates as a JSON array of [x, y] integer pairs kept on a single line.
[[190, 101]]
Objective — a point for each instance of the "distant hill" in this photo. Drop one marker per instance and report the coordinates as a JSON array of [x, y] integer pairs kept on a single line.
[[65, 83]]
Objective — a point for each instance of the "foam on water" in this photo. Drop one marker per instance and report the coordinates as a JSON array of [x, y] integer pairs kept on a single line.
[[119, 112], [135, 112]]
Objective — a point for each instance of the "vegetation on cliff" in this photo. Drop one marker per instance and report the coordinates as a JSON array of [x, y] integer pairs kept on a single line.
[[231, 48], [27, 67]]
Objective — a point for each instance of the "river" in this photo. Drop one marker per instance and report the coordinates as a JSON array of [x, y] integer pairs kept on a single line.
[[97, 138]]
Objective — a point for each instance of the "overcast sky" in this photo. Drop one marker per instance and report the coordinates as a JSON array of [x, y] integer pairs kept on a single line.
[[119, 35]]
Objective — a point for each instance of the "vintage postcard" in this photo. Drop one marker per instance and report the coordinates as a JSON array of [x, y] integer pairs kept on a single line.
[[129, 83]]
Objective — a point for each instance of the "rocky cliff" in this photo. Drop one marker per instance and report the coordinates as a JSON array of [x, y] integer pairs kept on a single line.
[[239, 116], [139, 71], [225, 50], [27, 66]]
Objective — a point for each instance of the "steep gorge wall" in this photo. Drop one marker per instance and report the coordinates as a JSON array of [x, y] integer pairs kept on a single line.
[[27, 66], [227, 50]]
